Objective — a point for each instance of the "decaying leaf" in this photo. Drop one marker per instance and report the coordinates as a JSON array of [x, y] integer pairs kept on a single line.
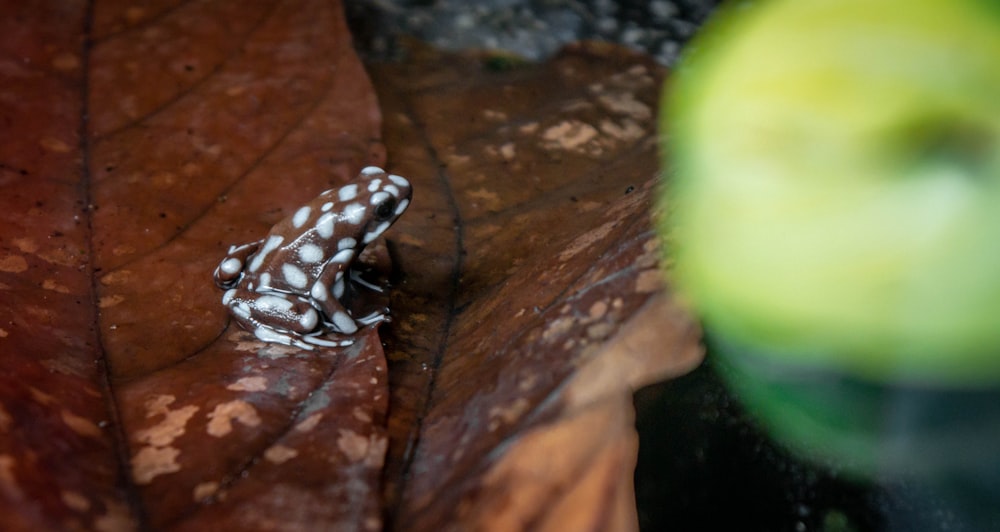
[[130, 402], [59, 461], [530, 301], [137, 142]]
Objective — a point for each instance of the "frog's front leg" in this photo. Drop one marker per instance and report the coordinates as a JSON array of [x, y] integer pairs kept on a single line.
[[374, 316], [326, 292], [274, 316], [228, 272]]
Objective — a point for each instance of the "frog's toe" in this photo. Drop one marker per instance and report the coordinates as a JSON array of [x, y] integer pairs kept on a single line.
[[374, 317], [356, 278]]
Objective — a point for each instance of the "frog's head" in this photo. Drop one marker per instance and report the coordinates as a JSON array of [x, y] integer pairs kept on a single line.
[[387, 195]]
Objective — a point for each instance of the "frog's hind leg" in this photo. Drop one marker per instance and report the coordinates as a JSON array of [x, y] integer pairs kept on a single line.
[[274, 336], [280, 319], [325, 293]]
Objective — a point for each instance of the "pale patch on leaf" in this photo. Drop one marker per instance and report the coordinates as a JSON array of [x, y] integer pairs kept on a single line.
[[151, 462], [221, 418]]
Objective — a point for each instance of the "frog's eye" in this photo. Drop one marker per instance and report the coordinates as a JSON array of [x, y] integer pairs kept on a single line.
[[386, 209]]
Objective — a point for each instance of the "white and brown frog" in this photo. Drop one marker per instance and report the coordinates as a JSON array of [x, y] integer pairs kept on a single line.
[[287, 287]]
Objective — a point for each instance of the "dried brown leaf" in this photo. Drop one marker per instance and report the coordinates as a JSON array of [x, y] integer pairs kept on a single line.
[[138, 142], [128, 402], [530, 302]]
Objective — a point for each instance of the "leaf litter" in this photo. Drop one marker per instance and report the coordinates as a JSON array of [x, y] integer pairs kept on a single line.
[[527, 299]]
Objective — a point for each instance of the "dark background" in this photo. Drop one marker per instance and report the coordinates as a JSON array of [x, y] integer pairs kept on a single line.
[[533, 29]]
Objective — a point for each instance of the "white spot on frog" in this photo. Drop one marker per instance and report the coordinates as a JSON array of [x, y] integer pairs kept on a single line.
[[270, 304], [293, 276], [338, 289], [347, 193], [318, 292], [401, 206], [378, 197], [231, 266], [270, 245], [344, 322], [325, 225], [309, 320], [354, 213], [310, 254], [344, 255], [301, 216], [374, 233]]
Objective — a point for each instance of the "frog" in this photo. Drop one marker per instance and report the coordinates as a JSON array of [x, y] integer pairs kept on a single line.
[[288, 287]]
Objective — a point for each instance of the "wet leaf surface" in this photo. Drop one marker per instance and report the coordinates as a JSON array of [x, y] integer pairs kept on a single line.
[[130, 402], [527, 302]]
